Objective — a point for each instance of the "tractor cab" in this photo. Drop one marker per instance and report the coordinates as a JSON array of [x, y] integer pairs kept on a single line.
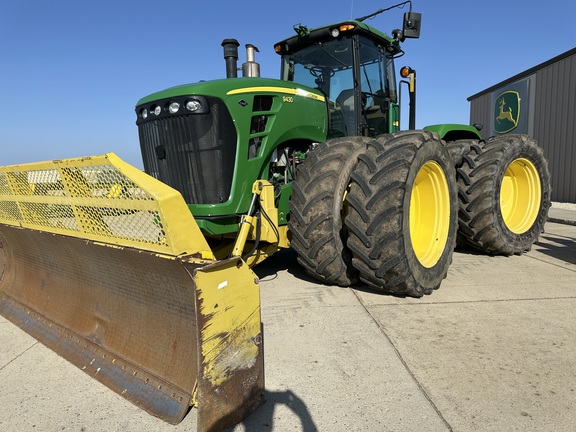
[[352, 64]]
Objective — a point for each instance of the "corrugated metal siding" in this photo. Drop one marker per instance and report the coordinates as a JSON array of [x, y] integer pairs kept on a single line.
[[554, 122], [554, 119], [480, 112]]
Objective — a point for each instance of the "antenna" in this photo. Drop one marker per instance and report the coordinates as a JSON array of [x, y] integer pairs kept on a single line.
[[378, 12]]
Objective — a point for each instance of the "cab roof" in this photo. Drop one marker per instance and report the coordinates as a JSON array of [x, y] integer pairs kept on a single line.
[[306, 37]]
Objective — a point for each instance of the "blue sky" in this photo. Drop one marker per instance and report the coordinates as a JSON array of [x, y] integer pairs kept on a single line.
[[72, 71]]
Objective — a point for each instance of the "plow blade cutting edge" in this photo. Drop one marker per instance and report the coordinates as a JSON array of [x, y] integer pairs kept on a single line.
[[107, 267]]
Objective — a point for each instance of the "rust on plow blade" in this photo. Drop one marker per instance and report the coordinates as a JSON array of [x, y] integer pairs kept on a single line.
[[140, 323], [107, 267]]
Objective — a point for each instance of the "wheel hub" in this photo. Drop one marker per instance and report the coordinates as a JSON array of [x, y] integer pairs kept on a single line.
[[520, 195], [429, 214]]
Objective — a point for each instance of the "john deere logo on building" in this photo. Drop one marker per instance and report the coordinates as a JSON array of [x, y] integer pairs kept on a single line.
[[506, 111]]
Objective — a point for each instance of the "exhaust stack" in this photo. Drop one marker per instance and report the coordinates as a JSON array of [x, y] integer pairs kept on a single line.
[[231, 57], [251, 68]]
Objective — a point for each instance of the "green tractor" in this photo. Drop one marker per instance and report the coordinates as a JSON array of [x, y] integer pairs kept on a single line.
[[355, 197], [148, 287]]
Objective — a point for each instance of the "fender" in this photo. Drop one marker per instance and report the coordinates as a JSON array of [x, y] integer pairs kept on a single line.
[[453, 132]]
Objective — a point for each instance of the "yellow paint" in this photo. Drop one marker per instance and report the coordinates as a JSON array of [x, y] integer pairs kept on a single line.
[[230, 336], [245, 225], [100, 198], [266, 250], [520, 195], [295, 92], [272, 236], [429, 214], [507, 114], [269, 232]]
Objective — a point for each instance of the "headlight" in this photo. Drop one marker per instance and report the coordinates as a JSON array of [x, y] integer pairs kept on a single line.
[[193, 105], [173, 107]]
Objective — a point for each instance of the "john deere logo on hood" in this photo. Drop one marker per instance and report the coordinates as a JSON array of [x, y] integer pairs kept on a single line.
[[506, 111]]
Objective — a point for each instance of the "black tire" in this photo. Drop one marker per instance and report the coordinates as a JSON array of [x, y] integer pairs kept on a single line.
[[458, 149], [480, 182], [379, 202], [316, 210]]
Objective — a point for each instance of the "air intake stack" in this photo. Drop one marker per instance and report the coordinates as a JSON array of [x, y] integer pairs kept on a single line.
[[231, 57]]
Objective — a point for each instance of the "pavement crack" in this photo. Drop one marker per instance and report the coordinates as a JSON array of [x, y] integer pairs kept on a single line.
[[19, 355], [399, 355], [428, 303], [551, 263]]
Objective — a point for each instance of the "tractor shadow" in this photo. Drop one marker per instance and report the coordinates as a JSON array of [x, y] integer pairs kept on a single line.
[[559, 247], [284, 260], [263, 418]]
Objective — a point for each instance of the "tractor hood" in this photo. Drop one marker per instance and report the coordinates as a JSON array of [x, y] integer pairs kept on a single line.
[[231, 86]]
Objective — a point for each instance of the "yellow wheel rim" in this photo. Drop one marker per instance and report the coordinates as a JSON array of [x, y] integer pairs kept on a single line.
[[520, 195], [429, 214]]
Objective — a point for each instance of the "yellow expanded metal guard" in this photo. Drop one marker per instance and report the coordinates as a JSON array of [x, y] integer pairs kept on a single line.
[[100, 198]]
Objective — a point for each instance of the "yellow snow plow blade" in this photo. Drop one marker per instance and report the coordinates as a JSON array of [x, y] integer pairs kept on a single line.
[[106, 266]]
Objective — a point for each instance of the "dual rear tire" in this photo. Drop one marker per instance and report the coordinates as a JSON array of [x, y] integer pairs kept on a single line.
[[504, 195], [380, 211]]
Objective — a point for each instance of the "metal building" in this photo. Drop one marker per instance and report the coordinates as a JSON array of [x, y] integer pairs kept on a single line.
[[540, 102]]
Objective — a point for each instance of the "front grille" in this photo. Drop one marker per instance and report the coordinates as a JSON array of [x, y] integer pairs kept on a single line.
[[192, 153]]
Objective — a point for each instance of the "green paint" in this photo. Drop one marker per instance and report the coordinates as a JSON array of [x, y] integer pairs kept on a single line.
[[453, 132], [506, 112], [296, 118]]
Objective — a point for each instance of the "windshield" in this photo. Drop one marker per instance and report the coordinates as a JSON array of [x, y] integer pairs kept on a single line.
[[326, 66], [329, 67]]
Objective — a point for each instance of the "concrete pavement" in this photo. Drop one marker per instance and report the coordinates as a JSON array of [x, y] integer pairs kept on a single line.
[[564, 213], [492, 350]]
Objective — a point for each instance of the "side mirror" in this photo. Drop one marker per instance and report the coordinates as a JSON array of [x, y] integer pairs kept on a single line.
[[411, 27]]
